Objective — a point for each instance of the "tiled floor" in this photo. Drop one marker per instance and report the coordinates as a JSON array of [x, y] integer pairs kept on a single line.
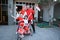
[[9, 33]]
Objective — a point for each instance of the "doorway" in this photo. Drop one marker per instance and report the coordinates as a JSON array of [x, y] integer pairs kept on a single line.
[[3, 12], [40, 16], [57, 14], [19, 8]]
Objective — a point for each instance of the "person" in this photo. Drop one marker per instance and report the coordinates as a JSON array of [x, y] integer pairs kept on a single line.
[[30, 13], [20, 15], [24, 26], [37, 8], [23, 11]]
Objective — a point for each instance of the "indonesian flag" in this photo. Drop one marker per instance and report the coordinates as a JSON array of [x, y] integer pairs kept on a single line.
[[37, 7]]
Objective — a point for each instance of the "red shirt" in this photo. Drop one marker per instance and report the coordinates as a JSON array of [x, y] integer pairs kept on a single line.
[[21, 19], [22, 12], [30, 13]]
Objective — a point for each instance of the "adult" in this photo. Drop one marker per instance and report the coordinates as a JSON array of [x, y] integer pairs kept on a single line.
[[30, 13], [20, 15]]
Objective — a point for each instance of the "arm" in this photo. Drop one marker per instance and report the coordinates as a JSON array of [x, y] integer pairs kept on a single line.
[[29, 15], [24, 14], [16, 16], [13, 16], [37, 8]]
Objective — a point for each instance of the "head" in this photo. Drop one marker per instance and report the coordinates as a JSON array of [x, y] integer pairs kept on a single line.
[[25, 17], [24, 7], [31, 7], [28, 6]]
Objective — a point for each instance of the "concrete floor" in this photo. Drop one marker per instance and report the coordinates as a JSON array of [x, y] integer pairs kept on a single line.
[[8, 32]]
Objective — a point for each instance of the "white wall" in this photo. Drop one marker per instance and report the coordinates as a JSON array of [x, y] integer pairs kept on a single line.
[[36, 12], [47, 14], [10, 11]]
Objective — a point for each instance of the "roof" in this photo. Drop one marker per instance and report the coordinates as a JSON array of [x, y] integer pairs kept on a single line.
[[29, 1]]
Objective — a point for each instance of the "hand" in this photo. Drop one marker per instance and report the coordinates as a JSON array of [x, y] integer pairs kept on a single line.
[[31, 21], [13, 16]]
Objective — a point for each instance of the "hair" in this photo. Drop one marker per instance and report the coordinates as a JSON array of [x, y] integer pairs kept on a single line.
[[23, 5], [25, 16], [28, 6]]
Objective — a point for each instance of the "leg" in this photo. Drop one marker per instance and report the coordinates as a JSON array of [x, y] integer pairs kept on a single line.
[[33, 27], [17, 29]]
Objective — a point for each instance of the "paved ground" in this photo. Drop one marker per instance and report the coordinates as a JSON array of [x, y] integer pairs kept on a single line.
[[8, 33]]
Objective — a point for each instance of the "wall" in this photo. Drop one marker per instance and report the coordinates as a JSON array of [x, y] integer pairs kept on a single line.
[[36, 13], [57, 10], [10, 12], [48, 13], [31, 1]]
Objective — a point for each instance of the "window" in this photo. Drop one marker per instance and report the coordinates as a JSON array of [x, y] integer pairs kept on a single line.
[[3, 8], [26, 3], [4, 1], [16, 2], [0, 1], [23, 2], [31, 4], [20, 2]]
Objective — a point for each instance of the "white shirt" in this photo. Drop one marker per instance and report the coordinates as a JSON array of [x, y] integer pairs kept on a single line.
[[37, 8], [17, 15], [25, 21]]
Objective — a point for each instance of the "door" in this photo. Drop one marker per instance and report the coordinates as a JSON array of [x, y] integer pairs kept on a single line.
[[3, 12], [0, 13], [40, 16], [18, 8]]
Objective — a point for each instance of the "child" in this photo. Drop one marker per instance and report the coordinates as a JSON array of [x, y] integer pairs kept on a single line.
[[24, 26]]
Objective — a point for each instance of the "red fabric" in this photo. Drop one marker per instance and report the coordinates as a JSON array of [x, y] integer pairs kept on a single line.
[[21, 31], [22, 12], [26, 28], [29, 11], [22, 21], [19, 18], [21, 24]]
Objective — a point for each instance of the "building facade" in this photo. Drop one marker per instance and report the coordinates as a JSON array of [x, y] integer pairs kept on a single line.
[[8, 8], [3, 11]]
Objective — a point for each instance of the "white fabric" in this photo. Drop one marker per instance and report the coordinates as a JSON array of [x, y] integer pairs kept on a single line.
[[17, 15], [24, 14], [37, 8], [25, 22], [31, 21]]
